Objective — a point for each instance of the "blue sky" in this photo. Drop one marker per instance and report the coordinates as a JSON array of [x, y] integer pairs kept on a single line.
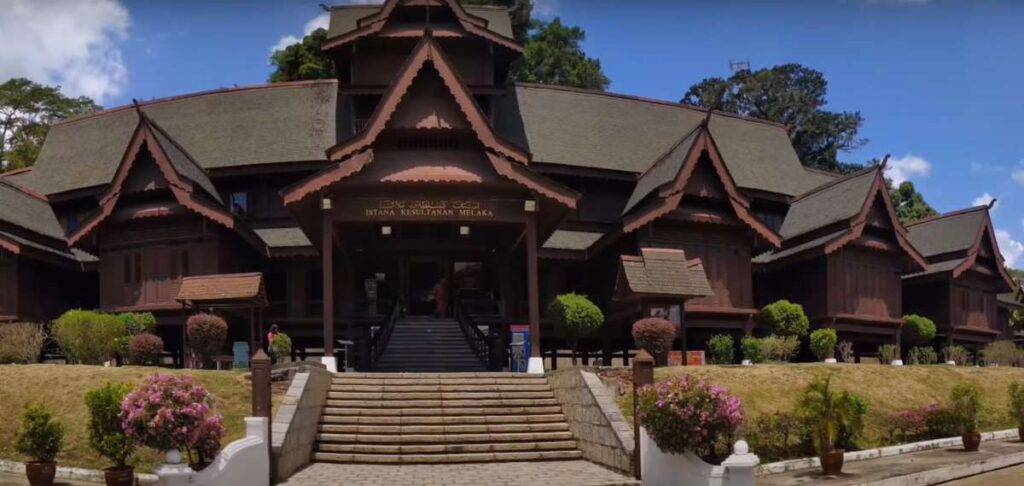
[[937, 81]]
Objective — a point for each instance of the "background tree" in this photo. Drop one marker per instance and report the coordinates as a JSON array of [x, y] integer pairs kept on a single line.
[[910, 204], [27, 110], [793, 95], [303, 60]]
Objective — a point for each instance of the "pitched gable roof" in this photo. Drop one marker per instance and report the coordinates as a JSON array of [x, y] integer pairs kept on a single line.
[[29, 210], [958, 235], [670, 175], [662, 272], [835, 201]]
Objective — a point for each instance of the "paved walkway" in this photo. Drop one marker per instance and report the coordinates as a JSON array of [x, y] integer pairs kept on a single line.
[[562, 473], [866, 472], [1011, 476], [7, 479]]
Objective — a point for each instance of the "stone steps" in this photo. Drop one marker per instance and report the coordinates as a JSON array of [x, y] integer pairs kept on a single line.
[[442, 418]]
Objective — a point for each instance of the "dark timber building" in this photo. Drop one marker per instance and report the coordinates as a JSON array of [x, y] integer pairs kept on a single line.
[[421, 172]]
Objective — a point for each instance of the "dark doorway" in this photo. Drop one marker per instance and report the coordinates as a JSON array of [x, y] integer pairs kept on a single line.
[[421, 277]]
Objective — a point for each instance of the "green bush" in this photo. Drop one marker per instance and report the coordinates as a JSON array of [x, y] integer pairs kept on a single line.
[[21, 342], [785, 318], [752, 349], [966, 400], [917, 330], [40, 437], [106, 435], [956, 354], [887, 353], [836, 419], [721, 347], [1002, 353], [823, 343], [281, 347], [575, 317], [1017, 403], [780, 349], [136, 323], [922, 355], [942, 421], [779, 436], [89, 337]]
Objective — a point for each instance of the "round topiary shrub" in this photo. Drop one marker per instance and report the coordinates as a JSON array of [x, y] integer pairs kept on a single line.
[[917, 330], [145, 349], [206, 336], [752, 349], [685, 414], [721, 347], [89, 337], [785, 318], [823, 343], [281, 347], [655, 335], [575, 317]]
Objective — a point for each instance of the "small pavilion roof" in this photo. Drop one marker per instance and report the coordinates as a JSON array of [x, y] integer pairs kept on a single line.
[[240, 288], [664, 272]]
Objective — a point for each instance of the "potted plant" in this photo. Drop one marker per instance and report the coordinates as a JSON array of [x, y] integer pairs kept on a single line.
[[835, 419], [823, 344], [107, 436], [40, 438], [966, 404], [1017, 407]]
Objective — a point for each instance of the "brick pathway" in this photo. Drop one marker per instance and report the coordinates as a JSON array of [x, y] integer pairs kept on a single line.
[[562, 473]]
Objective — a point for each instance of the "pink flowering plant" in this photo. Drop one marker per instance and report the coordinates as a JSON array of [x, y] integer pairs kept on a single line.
[[686, 414], [171, 412]]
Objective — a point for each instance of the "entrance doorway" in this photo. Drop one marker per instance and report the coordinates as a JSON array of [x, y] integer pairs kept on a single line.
[[421, 278]]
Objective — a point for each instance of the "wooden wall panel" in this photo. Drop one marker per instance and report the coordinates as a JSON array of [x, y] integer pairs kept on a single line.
[[930, 299], [974, 307], [804, 283], [8, 284], [864, 283]]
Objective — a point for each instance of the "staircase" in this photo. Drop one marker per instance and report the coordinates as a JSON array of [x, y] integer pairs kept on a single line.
[[426, 344], [440, 418]]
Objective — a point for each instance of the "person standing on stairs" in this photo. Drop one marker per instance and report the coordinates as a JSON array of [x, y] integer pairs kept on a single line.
[[441, 298]]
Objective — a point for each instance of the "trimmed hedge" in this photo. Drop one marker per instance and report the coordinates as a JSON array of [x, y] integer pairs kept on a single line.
[[823, 343], [721, 349], [21, 342], [917, 330], [785, 318], [89, 337], [654, 335]]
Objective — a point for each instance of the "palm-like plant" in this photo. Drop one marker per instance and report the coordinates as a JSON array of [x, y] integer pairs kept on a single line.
[[834, 417]]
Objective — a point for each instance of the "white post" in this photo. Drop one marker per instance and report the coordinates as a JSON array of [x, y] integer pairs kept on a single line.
[[739, 467]]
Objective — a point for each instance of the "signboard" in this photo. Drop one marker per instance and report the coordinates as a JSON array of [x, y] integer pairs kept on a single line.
[[675, 358], [427, 209], [240, 352], [695, 358], [520, 347]]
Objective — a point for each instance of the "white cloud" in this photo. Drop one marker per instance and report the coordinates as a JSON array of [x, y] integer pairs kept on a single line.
[[321, 21], [1018, 176], [906, 168], [71, 43], [1012, 250], [984, 200], [545, 8]]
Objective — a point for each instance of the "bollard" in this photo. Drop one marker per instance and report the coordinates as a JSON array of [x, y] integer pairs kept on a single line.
[[740, 466], [643, 375], [261, 406]]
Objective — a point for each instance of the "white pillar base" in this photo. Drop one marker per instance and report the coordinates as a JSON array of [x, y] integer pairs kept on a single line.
[[830, 360], [897, 362], [951, 363], [747, 362], [331, 363], [536, 365]]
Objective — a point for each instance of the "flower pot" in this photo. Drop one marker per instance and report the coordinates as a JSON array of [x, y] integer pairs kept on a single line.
[[172, 456], [40, 473], [832, 462], [971, 441], [119, 476]]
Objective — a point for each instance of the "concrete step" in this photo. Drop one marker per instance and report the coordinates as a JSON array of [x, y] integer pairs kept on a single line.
[[372, 420], [445, 404], [447, 458], [440, 388], [448, 448], [432, 412], [464, 395], [401, 379], [450, 429], [323, 438]]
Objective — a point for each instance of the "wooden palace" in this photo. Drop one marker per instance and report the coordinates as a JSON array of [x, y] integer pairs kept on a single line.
[[422, 191]]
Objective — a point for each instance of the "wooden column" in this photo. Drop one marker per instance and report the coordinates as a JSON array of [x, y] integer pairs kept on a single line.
[[643, 375], [327, 252], [532, 285]]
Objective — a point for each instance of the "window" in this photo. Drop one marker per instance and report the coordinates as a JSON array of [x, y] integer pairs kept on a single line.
[[239, 202], [132, 268], [72, 224]]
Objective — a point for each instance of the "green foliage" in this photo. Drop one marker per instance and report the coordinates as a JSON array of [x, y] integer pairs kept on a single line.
[[303, 60], [553, 55], [823, 343], [836, 419], [654, 335], [778, 436], [942, 421], [957, 354], [785, 318], [722, 348], [887, 353], [966, 400], [89, 337], [910, 204], [136, 323], [793, 95], [106, 435], [281, 347], [21, 342], [922, 355], [1016, 319], [40, 437], [575, 316], [27, 110], [752, 349], [1017, 402], [1002, 353], [780, 349], [917, 330]]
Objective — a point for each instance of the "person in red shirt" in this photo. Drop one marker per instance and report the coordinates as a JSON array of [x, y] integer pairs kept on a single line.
[[271, 335]]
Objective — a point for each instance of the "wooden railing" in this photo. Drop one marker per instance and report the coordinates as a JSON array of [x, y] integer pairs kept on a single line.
[[379, 340], [488, 348]]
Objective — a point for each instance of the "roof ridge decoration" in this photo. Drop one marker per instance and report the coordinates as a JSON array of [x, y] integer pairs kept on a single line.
[[671, 194], [353, 154], [182, 188], [373, 23]]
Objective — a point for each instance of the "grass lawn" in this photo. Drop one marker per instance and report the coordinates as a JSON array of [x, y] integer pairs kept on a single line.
[[62, 389], [767, 388]]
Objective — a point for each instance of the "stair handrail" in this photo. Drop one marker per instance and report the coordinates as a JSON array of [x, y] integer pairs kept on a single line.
[[474, 336], [380, 340]]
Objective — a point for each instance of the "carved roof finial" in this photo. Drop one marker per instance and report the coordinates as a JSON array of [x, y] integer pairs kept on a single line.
[[885, 162]]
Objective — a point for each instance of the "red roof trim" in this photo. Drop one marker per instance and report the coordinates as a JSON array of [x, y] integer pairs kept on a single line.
[[972, 253], [24, 190], [326, 177], [535, 182], [957, 212], [11, 246]]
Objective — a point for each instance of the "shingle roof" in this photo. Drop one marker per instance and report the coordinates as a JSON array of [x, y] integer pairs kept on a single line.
[[345, 19], [184, 165], [662, 271], [285, 122], [956, 231], [571, 240], [607, 131], [836, 201], [289, 237], [27, 211], [774, 255], [664, 171], [236, 286]]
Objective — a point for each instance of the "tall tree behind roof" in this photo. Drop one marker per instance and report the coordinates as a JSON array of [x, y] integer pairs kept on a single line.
[[793, 95], [910, 204], [27, 109], [303, 60]]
